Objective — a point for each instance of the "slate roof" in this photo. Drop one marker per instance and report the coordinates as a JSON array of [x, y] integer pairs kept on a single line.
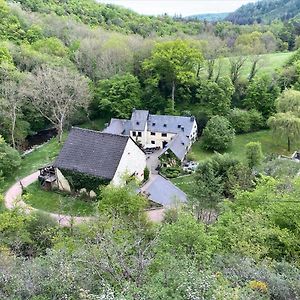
[[170, 124], [162, 191], [92, 152], [118, 126], [178, 146], [139, 119]]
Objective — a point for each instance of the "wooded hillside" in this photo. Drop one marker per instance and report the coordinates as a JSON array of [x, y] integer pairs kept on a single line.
[[265, 11]]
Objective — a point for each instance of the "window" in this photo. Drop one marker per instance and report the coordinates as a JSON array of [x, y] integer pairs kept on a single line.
[[133, 133], [182, 128], [137, 123], [153, 124], [179, 126], [152, 133], [165, 125], [164, 134], [139, 134], [153, 142]]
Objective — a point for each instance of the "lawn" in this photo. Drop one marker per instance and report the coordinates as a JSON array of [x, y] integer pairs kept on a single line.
[[57, 202], [31, 162], [268, 64], [270, 145]]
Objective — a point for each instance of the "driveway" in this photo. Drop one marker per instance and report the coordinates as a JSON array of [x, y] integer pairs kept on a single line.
[[13, 199]]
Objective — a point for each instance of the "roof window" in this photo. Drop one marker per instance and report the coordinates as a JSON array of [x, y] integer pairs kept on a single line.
[[153, 124], [179, 126], [137, 123], [165, 125]]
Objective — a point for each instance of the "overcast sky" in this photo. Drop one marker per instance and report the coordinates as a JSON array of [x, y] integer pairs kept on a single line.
[[183, 7]]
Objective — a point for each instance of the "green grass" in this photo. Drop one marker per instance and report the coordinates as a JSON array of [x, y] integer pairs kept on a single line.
[[57, 202], [268, 64], [40, 157], [270, 145], [185, 183]]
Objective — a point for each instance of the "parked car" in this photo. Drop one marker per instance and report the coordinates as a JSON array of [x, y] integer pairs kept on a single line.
[[190, 166]]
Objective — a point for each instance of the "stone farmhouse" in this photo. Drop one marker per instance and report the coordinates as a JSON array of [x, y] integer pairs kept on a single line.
[[99, 155], [170, 133]]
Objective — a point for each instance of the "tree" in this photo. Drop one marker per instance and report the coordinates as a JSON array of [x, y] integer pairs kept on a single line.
[[289, 101], [57, 93], [261, 95], [215, 97], [218, 134], [207, 192], [11, 101], [236, 65], [119, 95], [286, 125], [122, 202], [254, 154], [173, 63], [10, 158]]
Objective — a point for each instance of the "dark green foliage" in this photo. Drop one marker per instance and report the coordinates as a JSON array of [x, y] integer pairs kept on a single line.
[[254, 154], [244, 121], [80, 181], [10, 158], [261, 95], [119, 95], [215, 97], [265, 11], [218, 134], [146, 173]]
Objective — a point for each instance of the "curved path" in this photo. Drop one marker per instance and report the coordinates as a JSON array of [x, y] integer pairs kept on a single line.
[[13, 199]]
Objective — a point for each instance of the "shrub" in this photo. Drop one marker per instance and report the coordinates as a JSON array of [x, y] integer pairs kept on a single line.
[[244, 121], [218, 134], [146, 174], [254, 154]]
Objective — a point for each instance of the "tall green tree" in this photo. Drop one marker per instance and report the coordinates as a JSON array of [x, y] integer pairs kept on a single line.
[[119, 95], [286, 125], [261, 95], [173, 63]]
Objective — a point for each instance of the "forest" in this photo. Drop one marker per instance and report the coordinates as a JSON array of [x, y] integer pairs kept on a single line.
[[65, 63]]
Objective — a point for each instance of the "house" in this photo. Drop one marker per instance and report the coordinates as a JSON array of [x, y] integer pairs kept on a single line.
[[98, 157], [175, 134]]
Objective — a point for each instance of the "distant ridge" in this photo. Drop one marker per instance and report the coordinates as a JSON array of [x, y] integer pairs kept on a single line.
[[213, 17], [265, 11]]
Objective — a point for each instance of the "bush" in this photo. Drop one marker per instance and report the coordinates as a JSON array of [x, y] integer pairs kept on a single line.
[[244, 121], [146, 174], [254, 154], [218, 134], [10, 158]]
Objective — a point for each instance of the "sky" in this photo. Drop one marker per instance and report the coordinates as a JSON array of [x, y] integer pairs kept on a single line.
[[177, 7]]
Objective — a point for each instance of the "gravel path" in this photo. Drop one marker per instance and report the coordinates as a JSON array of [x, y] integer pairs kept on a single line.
[[13, 199]]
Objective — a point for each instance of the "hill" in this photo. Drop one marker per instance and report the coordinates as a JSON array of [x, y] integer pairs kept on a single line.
[[209, 17], [112, 17], [265, 11]]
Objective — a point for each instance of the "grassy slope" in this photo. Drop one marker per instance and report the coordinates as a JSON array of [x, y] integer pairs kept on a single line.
[[56, 202], [268, 64], [270, 145]]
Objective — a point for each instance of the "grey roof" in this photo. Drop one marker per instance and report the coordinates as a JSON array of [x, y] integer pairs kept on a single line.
[[92, 152], [170, 124], [118, 126], [139, 119], [162, 191], [178, 146]]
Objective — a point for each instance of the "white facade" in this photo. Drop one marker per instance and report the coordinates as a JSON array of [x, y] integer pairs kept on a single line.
[[133, 162]]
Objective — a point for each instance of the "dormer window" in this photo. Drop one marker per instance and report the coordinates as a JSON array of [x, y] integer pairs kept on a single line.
[[165, 125], [182, 128]]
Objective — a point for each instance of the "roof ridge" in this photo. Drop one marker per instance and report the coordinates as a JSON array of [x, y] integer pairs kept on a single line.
[[99, 132]]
